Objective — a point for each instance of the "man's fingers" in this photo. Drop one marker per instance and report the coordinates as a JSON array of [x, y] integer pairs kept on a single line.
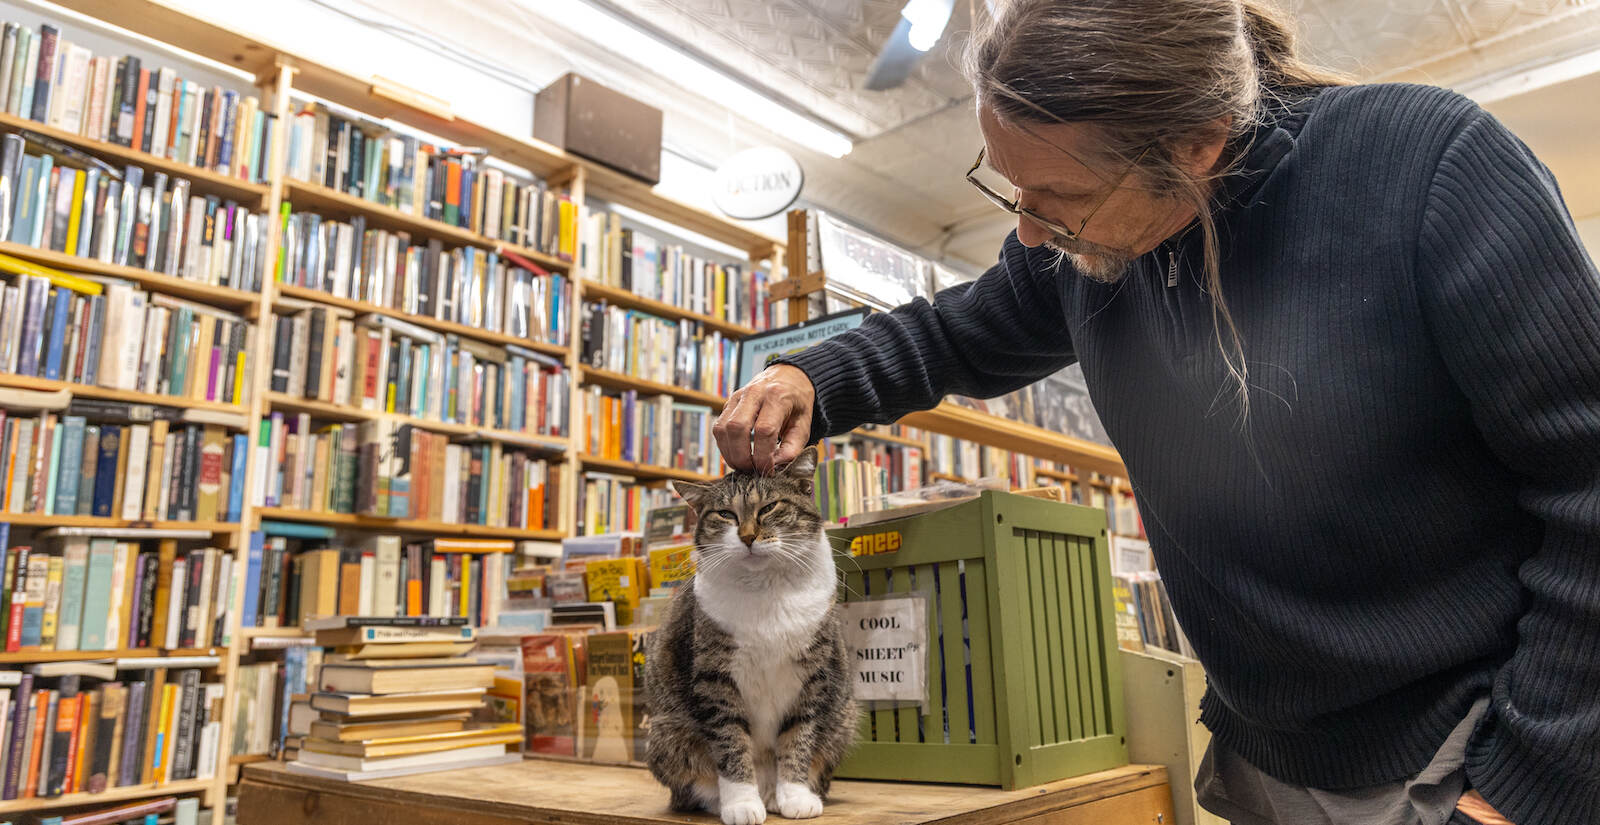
[[732, 431], [792, 442], [769, 425]]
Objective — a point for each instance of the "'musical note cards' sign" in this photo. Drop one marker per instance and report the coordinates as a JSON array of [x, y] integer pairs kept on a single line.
[[886, 640], [757, 351]]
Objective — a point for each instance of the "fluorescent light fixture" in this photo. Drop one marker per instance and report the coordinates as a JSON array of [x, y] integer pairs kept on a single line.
[[624, 38], [1531, 79], [928, 19]]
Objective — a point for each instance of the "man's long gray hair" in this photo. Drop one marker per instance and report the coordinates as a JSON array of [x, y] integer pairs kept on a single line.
[[1148, 74]]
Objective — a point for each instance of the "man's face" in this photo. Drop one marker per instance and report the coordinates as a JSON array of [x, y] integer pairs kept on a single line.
[[1050, 168]]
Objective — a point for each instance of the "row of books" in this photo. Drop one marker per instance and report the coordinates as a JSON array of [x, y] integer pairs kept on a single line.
[[971, 460], [290, 582], [846, 487], [454, 186], [61, 84], [681, 353], [380, 468], [125, 339], [383, 364], [901, 463], [264, 703], [72, 203], [93, 593], [609, 503], [464, 285], [635, 261], [1144, 616], [657, 430], [64, 736], [161, 471]]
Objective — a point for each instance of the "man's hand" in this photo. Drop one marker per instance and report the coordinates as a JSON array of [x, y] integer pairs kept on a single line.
[[767, 423]]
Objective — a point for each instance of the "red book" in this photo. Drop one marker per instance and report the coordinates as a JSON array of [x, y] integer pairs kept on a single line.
[[41, 710], [138, 110], [171, 149], [19, 590]]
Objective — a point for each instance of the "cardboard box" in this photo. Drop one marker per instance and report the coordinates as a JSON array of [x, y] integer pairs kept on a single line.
[[601, 124]]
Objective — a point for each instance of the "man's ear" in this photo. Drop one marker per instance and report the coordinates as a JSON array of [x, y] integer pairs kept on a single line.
[[692, 493], [803, 468]]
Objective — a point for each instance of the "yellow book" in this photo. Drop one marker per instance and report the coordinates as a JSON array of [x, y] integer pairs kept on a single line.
[[57, 277], [52, 605], [671, 565], [568, 239], [76, 221], [238, 378], [620, 581], [164, 737], [372, 748], [720, 277]]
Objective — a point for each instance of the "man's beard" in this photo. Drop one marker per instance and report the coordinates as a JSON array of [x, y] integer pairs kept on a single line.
[[1093, 261]]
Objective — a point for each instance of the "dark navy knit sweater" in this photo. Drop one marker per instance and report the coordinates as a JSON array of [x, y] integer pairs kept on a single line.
[[1411, 516]]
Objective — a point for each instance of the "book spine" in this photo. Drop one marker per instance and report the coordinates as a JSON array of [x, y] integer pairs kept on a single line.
[[18, 728]]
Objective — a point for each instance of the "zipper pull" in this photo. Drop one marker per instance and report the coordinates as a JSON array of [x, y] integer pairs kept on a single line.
[[1172, 269]]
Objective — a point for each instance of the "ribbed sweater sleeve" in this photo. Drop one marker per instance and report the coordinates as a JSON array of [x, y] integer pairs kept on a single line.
[[984, 338], [1514, 305]]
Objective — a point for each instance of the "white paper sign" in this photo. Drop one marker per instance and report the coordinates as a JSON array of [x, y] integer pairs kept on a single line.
[[886, 640]]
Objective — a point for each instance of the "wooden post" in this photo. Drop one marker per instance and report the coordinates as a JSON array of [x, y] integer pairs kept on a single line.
[[261, 366], [577, 429]]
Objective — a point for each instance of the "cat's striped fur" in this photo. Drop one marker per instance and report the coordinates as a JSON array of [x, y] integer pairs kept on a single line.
[[748, 683]]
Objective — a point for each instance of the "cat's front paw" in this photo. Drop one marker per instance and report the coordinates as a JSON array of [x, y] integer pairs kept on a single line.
[[741, 803], [796, 801], [744, 812]]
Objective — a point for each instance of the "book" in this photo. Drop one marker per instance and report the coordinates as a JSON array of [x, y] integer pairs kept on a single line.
[[369, 635], [473, 736], [355, 678], [373, 731], [358, 705], [403, 650], [551, 714], [458, 760]]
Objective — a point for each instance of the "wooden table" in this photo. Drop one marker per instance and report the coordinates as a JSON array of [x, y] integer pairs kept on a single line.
[[539, 791]]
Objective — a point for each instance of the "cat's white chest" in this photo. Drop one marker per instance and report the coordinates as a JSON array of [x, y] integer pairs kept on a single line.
[[770, 684]]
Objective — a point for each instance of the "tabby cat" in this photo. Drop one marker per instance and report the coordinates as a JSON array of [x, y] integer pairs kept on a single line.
[[747, 679]]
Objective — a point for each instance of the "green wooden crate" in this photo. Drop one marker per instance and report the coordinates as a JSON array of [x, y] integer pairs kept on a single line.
[[1026, 690]]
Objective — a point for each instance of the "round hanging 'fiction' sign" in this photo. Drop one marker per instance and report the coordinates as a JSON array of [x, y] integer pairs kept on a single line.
[[758, 183]]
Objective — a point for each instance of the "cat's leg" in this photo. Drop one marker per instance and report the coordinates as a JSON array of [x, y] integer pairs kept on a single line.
[[679, 759], [728, 738], [799, 740]]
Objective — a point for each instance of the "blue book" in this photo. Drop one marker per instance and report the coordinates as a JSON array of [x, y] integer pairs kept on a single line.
[[296, 530], [71, 463], [97, 591], [61, 306], [33, 604], [74, 578], [252, 580], [22, 212], [97, 322], [105, 471], [41, 200], [517, 375], [179, 362], [236, 477]]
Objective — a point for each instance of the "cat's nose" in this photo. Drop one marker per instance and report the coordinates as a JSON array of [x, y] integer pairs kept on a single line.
[[747, 538]]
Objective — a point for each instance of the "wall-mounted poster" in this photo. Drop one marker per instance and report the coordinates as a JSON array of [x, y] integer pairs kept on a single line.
[[761, 349]]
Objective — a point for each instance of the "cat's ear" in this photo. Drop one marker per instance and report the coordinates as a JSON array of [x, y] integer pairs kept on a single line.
[[692, 494], [803, 468]]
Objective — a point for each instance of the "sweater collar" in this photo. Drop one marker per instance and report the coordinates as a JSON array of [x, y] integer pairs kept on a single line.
[[1264, 148]]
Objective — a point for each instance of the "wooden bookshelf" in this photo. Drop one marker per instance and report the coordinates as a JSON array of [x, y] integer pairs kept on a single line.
[[206, 181], [469, 432], [643, 472], [310, 197], [28, 382], [258, 632], [1055, 475], [42, 520], [38, 656], [233, 300], [1036, 442], [391, 525], [620, 381], [448, 327], [106, 796], [616, 296], [888, 438]]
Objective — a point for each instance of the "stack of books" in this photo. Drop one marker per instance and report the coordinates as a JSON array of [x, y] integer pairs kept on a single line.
[[394, 698]]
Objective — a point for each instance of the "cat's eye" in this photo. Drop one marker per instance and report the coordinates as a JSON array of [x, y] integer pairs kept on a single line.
[[767, 510], [727, 514]]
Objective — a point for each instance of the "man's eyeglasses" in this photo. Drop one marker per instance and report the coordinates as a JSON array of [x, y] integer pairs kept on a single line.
[[1010, 204]]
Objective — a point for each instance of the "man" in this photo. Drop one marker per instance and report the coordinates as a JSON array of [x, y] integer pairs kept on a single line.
[[1347, 342]]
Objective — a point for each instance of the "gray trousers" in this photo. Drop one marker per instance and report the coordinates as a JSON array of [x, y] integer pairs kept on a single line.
[[1233, 789]]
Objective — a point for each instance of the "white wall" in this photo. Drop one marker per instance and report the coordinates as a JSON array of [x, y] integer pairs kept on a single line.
[[1589, 230]]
